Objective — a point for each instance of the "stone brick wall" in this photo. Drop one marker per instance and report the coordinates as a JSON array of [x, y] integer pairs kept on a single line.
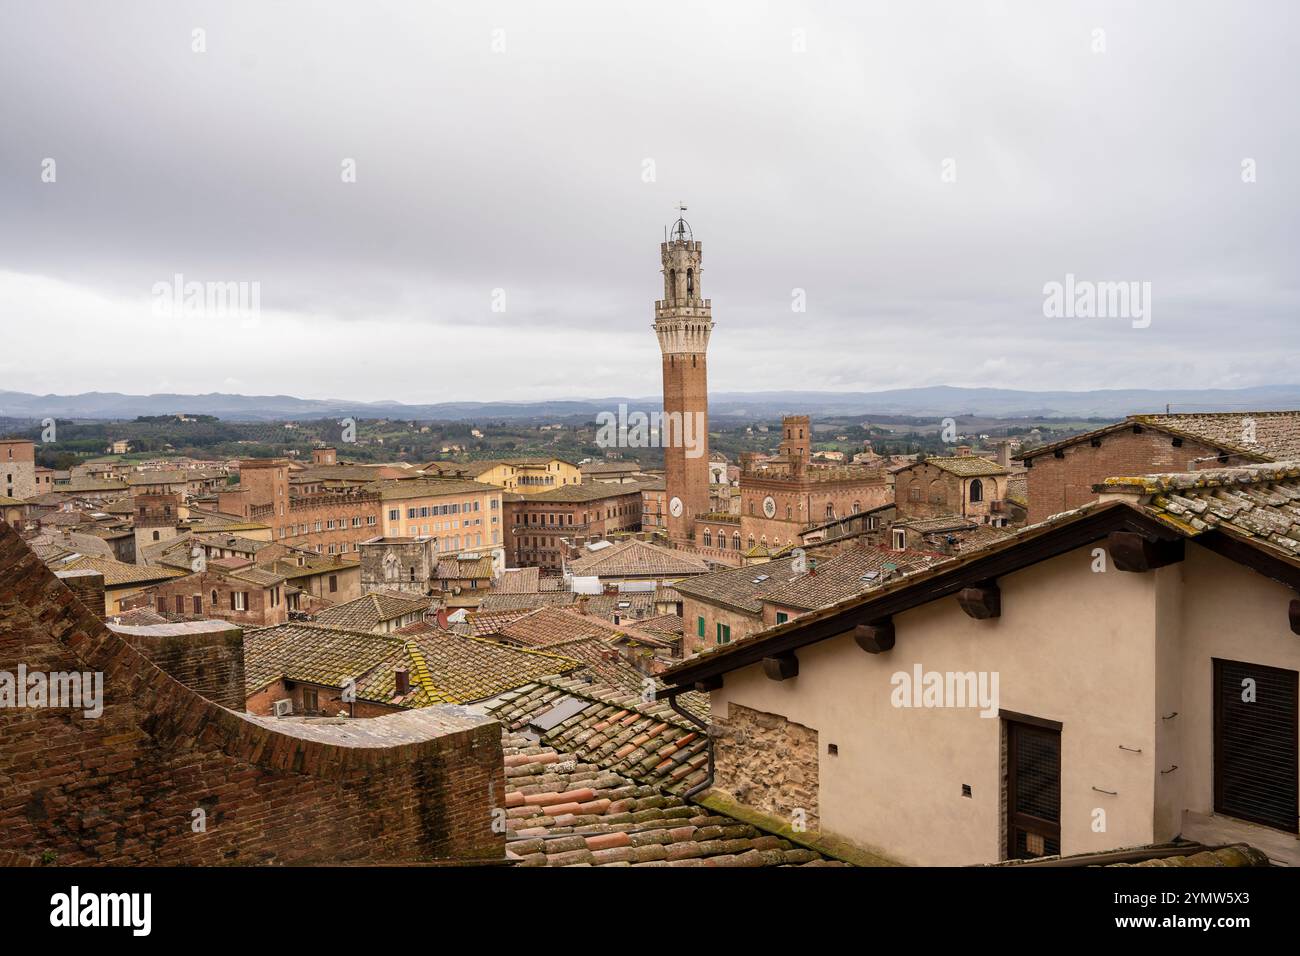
[[686, 393], [356, 517], [329, 701], [767, 762], [1062, 484], [18, 468], [88, 586], [801, 503], [535, 529], [121, 789], [263, 606], [205, 656], [742, 625], [406, 564]]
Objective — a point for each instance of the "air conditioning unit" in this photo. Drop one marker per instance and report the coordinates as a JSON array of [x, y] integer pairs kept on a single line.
[[282, 708]]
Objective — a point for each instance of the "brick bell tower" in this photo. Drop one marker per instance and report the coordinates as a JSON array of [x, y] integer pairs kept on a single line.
[[683, 322]]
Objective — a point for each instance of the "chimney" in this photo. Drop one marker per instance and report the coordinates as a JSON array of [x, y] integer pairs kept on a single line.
[[403, 681], [812, 566], [963, 451], [582, 605]]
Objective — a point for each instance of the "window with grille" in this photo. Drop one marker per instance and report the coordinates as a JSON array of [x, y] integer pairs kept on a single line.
[[1033, 790]]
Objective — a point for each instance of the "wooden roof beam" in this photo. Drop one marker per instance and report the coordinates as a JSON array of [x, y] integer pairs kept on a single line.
[[1133, 551]]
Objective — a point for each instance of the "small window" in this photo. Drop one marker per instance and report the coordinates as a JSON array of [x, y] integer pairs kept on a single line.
[[724, 633], [699, 624], [782, 617]]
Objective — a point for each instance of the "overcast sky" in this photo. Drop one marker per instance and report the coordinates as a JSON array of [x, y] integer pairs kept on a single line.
[[541, 147]]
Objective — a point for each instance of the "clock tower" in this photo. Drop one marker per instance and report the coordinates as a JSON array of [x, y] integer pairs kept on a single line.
[[683, 322]]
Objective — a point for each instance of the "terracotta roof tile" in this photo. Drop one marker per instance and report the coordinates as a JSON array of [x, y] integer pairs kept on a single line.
[[369, 611], [635, 557], [583, 793], [851, 572]]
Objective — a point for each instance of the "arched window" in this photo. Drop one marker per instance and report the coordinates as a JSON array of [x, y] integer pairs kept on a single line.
[[751, 541], [976, 490], [830, 511], [708, 538], [690, 283], [789, 512], [857, 506], [735, 540]]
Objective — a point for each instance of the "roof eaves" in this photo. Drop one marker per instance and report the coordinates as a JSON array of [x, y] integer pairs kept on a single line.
[[1056, 536]]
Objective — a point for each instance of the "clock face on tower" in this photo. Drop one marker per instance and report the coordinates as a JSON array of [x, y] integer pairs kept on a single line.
[[769, 506], [675, 507]]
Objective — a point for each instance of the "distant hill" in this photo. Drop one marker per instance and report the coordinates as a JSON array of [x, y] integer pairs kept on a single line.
[[939, 401]]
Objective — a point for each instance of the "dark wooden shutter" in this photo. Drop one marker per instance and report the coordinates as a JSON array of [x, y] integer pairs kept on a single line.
[[1255, 744]]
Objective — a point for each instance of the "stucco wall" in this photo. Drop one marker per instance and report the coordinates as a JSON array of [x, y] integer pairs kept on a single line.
[[1072, 646], [1233, 613]]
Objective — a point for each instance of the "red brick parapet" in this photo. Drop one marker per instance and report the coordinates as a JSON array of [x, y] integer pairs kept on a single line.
[[124, 788]]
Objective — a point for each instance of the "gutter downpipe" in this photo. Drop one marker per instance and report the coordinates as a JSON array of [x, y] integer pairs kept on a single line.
[[707, 782]]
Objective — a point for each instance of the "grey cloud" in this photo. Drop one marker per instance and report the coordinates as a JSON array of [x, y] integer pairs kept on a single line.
[[522, 170]]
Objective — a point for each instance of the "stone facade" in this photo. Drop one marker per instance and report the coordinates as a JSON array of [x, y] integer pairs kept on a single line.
[[782, 498], [700, 620], [325, 523], [18, 468], [537, 526], [926, 490], [155, 517], [769, 763], [406, 564], [226, 597]]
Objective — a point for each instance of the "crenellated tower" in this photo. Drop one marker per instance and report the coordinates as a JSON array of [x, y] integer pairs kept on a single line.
[[683, 323]]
